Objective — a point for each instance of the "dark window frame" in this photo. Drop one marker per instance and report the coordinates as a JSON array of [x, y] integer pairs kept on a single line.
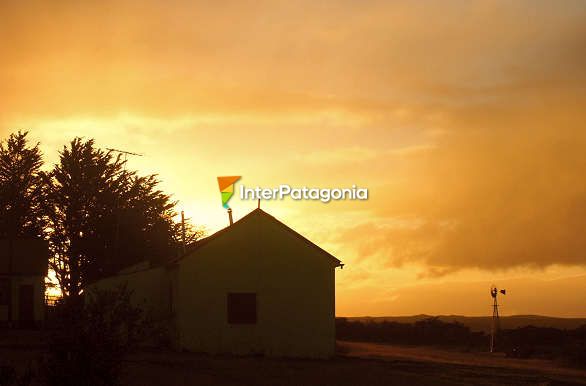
[[242, 308]]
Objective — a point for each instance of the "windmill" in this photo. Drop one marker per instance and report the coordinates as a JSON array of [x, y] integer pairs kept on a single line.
[[495, 314]]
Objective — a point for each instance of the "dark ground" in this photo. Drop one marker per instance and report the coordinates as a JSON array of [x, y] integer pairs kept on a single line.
[[357, 364], [191, 369]]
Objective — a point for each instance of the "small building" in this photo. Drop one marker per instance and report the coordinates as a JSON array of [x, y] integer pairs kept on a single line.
[[23, 267], [255, 287]]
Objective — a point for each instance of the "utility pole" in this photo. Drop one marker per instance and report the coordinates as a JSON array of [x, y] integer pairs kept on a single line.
[[183, 243], [11, 280]]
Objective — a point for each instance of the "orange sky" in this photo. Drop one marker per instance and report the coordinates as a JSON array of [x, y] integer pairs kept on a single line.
[[464, 119]]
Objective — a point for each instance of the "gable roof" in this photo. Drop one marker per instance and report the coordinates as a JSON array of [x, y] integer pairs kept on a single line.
[[256, 212]]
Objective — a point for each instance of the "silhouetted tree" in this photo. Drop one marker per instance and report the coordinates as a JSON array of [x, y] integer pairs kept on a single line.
[[103, 217], [21, 188], [81, 191], [88, 344]]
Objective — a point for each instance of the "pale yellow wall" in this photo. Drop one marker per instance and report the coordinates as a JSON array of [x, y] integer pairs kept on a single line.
[[293, 281], [149, 290]]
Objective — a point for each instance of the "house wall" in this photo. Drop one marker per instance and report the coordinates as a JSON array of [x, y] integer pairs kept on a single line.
[[294, 283], [150, 290], [24, 261], [24, 257], [38, 283]]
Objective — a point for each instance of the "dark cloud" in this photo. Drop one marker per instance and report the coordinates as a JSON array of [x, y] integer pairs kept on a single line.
[[497, 191]]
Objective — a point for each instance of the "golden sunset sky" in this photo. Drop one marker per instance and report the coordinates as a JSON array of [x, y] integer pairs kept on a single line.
[[466, 121]]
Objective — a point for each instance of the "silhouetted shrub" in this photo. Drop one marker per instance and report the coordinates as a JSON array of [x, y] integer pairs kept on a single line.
[[11, 376], [7, 375], [575, 354], [92, 338], [545, 342]]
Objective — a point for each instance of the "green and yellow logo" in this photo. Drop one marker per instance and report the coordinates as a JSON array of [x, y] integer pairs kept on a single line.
[[226, 185]]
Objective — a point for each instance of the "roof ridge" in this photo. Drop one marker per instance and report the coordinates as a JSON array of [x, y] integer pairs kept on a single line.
[[197, 244]]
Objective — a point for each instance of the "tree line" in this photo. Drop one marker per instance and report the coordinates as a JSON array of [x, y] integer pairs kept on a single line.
[[97, 216], [429, 331], [567, 345]]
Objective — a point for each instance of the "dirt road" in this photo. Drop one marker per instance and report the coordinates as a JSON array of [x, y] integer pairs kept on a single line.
[[385, 352]]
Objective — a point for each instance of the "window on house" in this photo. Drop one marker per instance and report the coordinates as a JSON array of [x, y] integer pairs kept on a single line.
[[4, 292], [241, 308]]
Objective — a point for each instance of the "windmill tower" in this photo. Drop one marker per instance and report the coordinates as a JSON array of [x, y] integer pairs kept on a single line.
[[495, 315]]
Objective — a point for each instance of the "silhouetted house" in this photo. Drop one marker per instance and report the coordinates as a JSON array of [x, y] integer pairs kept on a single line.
[[255, 287], [23, 267]]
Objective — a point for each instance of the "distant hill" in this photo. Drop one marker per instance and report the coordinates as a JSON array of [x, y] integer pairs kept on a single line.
[[482, 323]]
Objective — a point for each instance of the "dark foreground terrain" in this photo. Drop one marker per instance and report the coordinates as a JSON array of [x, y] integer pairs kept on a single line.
[[357, 364], [190, 369]]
